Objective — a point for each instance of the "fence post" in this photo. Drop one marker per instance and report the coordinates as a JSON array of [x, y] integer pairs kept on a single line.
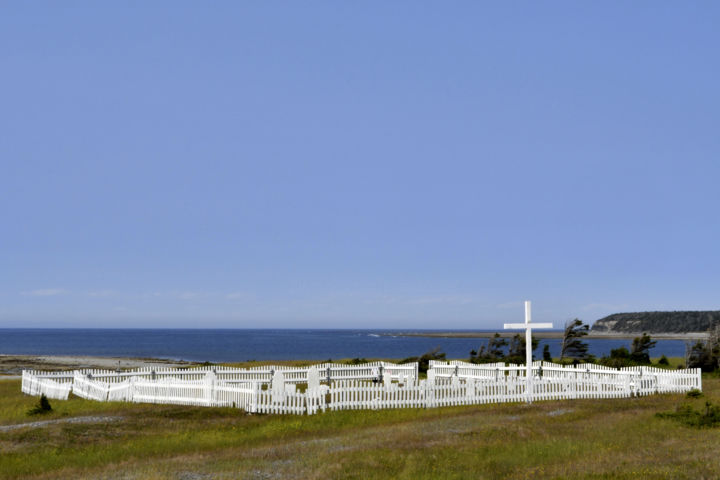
[[699, 378], [254, 400], [209, 388]]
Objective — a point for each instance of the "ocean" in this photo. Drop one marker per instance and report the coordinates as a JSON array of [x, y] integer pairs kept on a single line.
[[223, 345]]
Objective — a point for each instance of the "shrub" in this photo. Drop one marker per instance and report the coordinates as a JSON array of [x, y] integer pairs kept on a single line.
[[424, 359], [694, 393], [619, 357], [357, 361], [43, 406], [664, 361]]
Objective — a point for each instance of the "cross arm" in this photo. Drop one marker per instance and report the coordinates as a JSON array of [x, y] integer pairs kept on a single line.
[[523, 326]]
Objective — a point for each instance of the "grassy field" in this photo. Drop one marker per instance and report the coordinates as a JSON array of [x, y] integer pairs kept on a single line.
[[571, 439]]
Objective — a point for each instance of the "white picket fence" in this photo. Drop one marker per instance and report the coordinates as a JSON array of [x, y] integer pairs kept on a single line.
[[360, 387], [51, 388], [262, 374], [640, 380]]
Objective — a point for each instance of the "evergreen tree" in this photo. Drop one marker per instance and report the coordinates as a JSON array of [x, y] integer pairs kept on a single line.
[[572, 344], [493, 352], [496, 346], [516, 348], [546, 354], [706, 355], [640, 351]]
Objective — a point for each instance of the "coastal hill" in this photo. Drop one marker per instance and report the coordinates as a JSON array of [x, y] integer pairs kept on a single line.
[[656, 322]]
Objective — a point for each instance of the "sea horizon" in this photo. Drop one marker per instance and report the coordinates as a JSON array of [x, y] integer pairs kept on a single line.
[[243, 344]]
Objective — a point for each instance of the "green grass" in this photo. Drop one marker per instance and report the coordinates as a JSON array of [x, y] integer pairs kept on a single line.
[[597, 439], [674, 362]]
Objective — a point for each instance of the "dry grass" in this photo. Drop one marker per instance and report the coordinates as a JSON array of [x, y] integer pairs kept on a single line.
[[572, 439]]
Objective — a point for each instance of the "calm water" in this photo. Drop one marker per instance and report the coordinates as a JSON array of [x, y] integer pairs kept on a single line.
[[240, 345]]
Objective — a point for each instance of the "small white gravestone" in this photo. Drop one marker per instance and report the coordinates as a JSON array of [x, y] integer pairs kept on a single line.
[[431, 376], [210, 378], [387, 379], [290, 388], [209, 381], [469, 387], [313, 379], [278, 387], [375, 373], [455, 381]]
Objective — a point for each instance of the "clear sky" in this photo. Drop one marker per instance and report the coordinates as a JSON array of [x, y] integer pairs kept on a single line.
[[356, 164]]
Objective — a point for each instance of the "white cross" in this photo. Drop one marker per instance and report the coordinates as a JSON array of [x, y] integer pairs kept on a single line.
[[528, 326]]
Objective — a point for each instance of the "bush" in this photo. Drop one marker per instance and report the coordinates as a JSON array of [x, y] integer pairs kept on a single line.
[[664, 361], [619, 357], [424, 359], [43, 406], [694, 393], [357, 361]]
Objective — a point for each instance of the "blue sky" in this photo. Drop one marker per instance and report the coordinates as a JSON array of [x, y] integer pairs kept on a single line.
[[350, 165]]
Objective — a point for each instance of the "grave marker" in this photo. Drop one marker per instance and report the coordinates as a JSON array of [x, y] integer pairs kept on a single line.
[[313, 378], [528, 326], [278, 387]]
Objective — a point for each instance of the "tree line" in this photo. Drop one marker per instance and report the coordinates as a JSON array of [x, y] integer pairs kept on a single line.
[[573, 349]]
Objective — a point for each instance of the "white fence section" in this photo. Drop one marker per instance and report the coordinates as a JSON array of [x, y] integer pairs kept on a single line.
[[640, 380], [49, 387], [261, 374], [280, 390]]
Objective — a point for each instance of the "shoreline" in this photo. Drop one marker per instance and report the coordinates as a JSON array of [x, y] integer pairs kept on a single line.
[[545, 335], [11, 364]]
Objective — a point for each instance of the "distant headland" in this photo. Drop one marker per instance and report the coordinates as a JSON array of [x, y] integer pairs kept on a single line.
[[684, 322], [684, 325]]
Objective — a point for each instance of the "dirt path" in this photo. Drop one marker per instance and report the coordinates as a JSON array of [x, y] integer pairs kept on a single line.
[[44, 423]]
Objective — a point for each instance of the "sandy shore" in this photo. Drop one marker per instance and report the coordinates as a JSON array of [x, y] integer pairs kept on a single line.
[[15, 364], [541, 334]]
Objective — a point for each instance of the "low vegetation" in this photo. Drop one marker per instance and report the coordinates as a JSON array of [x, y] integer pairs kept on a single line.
[[567, 439], [686, 414], [43, 406]]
